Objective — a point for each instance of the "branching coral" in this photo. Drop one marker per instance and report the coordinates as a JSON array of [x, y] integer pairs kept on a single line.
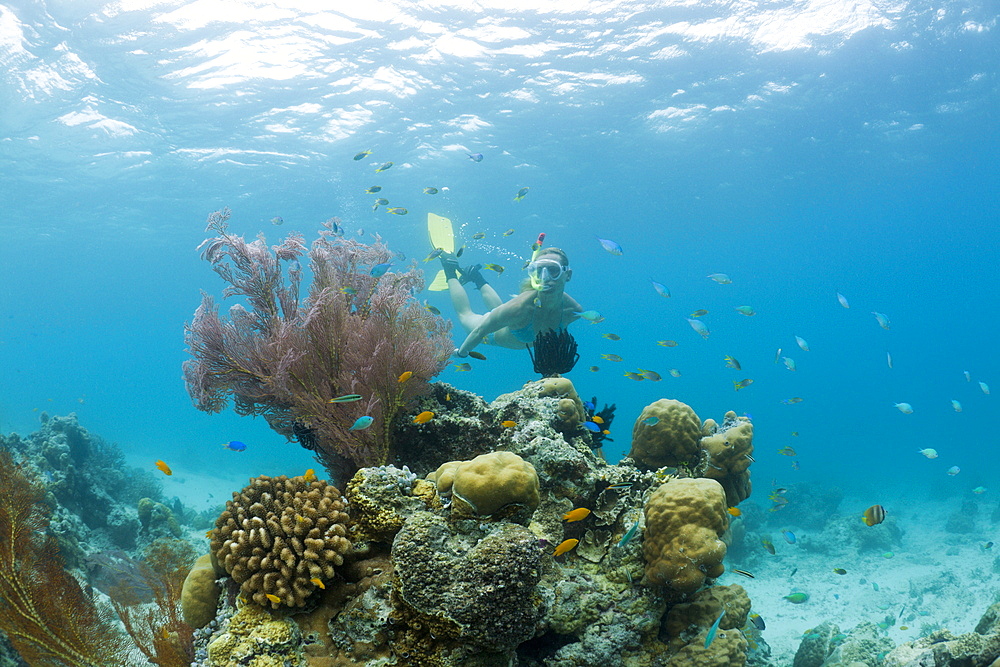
[[357, 332], [44, 612]]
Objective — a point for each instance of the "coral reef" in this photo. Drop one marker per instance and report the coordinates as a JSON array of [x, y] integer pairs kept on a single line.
[[730, 449], [254, 637], [279, 536], [667, 433], [491, 482], [357, 332], [684, 520], [570, 413]]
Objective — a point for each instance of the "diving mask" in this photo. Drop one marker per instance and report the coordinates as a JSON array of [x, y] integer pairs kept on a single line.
[[546, 270]]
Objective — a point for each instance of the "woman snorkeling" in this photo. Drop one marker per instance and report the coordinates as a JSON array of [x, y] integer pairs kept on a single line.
[[542, 305]]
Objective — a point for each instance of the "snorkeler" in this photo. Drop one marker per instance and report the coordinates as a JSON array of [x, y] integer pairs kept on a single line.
[[541, 306]]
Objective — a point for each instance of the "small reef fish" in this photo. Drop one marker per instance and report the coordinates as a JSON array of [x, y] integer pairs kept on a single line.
[[508, 423], [745, 310], [361, 423], [986, 545], [699, 328], [758, 622], [731, 362], [792, 401], [956, 406], [475, 157], [346, 398], [478, 235], [431, 191], [701, 312], [874, 515], [667, 343], [767, 544], [789, 536], [463, 368], [968, 376], [579, 514], [277, 220], [632, 375], [379, 202], [610, 246], [423, 417], [477, 355], [744, 573], [164, 468], [592, 427], [734, 511], [740, 384], [888, 359], [979, 490], [954, 470], [985, 387], [777, 355], [598, 420], [316, 581], [565, 545], [843, 300], [651, 421], [520, 194], [362, 155], [592, 316], [674, 373], [611, 336], [787, 451], [373, 189], [720, 278], [434, 254], [801, 342], [660, 288], [594, 369], [310, 475], [235, 446], [494, 267], [882, 319], [406, 375], [618, 486], [629, 535], [611, 357], [652, 376], [273, 598], [839, 570], [508, 232], [380, 269], [398, 210], [349, 291], [714, 629], [928, 452], [905, 408], [387, 165], [797, 598], [789, 363]]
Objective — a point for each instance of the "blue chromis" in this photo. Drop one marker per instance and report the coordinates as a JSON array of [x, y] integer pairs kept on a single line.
[[714, 629], [362, 155], [387, 165], [789, 536], [629, 535], [380, 269], [882, 319], [660, 288], [373, 189], [277, 220], [740, 384], [362, 423], [610, 246], [745, 310], [431, 191], [720, 278], [520, 194], [699, 328], [397, 210], [475, 157], [235, 446], [464, 367]]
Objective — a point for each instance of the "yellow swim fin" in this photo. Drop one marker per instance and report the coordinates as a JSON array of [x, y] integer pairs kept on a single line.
[[441, 236]]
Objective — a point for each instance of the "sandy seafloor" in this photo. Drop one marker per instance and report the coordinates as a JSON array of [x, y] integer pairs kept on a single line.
[[934, 579]]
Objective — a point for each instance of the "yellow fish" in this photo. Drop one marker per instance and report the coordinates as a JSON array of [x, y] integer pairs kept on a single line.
[[508, 424], [494, 267], [579, 514], [564, 546], [272, 598], [405, 376], [597, 419], [611, 357], [208, 534], [612, 336], [164, 468], [508, 232], [745, 382], [423, 417], [310, 475], [701, 312], [735, 511], [318, 582]]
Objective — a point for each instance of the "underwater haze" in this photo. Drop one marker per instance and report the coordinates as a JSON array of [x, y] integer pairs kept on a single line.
[[802, 148]]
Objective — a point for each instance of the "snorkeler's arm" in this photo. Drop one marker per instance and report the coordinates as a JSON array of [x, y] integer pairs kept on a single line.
[[496, 319], [571, 308]]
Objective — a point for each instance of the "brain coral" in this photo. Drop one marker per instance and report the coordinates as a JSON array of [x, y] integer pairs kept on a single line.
[[673, 439], [729, 449], [493, 481], [684, 520], [278, 534]]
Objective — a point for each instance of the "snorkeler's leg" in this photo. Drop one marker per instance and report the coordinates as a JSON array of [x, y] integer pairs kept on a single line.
[[490, 296], [463, 307]]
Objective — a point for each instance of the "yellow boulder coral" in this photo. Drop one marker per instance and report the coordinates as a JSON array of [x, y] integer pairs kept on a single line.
[[493, 481], [729, 449], [684, 520], [200, 593], [667, 433], [569, 412]]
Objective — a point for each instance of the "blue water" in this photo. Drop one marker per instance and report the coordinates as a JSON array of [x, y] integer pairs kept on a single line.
[[849, 148]]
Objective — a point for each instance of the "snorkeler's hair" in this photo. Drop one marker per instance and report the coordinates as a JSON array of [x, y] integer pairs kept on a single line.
[[563, 259]]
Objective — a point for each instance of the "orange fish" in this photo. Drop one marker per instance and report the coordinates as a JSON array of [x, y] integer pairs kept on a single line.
[[423, 417], [566, 545], [310, 475], [318, 582], [508, 424], [272, 598], [164, 468], [579, 514], [405, 376], [735, 511]]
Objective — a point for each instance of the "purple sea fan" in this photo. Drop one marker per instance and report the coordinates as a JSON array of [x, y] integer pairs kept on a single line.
[[284, 359]]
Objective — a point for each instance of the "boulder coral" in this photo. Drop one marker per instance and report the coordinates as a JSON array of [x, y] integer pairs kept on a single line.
[[667, 433], [569, 410], [491, 482], [280, 535], [200, 593], [729, 448], [684, 520]]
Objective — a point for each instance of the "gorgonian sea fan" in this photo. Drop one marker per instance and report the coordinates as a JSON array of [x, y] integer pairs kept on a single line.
[[284, 359]]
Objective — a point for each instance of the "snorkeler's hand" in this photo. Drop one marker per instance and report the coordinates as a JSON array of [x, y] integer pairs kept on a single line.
[[458, 353]]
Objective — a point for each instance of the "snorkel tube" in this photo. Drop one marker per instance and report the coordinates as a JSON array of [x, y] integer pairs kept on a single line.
[[536, 250]]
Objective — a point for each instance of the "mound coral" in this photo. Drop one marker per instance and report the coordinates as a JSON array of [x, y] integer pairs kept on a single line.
[[489, 483], [684, 520], [667, 433], [279, 535], [569, 412], [357, 332], [729, 448]]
